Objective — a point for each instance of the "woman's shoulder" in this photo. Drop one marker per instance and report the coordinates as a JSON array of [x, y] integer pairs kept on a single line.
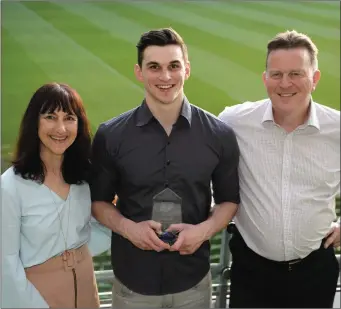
[[8, 179], [82, 189], [12, 182]]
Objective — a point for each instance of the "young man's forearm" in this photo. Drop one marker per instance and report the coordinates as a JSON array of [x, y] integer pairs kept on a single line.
[[110, 217], [221, 216]]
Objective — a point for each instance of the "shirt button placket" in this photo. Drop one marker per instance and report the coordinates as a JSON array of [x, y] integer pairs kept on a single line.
[[286, 168], [167, 164]]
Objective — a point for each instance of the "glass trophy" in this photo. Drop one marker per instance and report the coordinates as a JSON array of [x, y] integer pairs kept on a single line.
[[167, 210]]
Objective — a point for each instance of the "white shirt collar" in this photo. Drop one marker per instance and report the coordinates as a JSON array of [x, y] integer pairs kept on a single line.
[[311, 121]]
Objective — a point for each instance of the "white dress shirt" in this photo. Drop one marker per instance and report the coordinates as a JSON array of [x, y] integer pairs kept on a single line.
[[31, 233], [288, 181]]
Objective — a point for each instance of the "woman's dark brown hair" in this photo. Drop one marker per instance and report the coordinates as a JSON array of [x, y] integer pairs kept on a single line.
[[76, 162]]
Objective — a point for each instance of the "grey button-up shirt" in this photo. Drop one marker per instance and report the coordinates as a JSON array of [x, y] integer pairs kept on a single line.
[[134, 158]]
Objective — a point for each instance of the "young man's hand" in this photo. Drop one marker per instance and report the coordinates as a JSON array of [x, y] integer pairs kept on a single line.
[[190, 237], [144, 235]]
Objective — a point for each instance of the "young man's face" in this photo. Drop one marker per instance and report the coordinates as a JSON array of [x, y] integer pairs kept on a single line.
[[290, 79], [163, 73]]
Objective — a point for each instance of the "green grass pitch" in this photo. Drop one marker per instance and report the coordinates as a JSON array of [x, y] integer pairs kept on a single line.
[[91, 46]]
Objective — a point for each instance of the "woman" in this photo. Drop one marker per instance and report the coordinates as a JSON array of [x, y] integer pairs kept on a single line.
[[47, 207]]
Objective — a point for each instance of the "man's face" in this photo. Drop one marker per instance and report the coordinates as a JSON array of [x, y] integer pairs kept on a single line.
[[163, 73], [290, 79]]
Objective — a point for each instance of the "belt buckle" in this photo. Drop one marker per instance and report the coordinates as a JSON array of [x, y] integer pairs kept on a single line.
[[293, 262]]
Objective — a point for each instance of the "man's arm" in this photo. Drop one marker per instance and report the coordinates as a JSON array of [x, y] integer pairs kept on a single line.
[[109, 216], [222, 214], [103, 185], [142, 234], [225, 184]]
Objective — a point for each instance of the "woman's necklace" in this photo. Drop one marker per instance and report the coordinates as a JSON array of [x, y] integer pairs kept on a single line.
[[66, 252]]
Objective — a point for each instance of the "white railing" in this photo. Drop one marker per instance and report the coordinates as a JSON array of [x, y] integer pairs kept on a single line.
[[220, 276]]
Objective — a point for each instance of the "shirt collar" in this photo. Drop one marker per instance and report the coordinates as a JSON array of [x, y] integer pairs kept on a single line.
[[268, 115], [144, 115], [311, 121], [186, 110]]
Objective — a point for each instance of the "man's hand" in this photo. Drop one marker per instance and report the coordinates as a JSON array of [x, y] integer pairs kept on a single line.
[[333, 236], [144, 235], [190, 237]]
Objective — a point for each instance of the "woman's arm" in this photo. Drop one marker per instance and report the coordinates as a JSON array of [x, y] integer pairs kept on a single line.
[[100, 237], [17, 291]]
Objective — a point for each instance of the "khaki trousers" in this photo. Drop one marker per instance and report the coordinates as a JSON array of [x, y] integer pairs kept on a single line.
[[67, 283], [198, 296]]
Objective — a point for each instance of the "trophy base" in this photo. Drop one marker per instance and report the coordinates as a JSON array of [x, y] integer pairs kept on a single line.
[[169, 237]]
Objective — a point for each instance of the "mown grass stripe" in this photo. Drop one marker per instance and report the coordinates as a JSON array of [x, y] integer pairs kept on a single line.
[[211, 72], [16, 90], [323, 5], [112, 51], [76, 65], [304, 11], [247, 57], [219, 74], [211, 43], [328, 56], [225, 48], [206, 25], [255, 40], [275, 16], [328, 91], [128, 30], [106, 21], [327, 61], [252, 18]]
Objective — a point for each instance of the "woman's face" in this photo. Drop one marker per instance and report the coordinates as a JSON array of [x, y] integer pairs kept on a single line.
[[57, 131]]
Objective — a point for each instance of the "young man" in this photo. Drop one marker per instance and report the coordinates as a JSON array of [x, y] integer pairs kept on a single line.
[[289, 176], [160, 159]]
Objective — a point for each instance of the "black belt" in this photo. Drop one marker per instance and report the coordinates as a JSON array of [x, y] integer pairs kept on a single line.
[[232, 229], [291, 262], [288, 264]]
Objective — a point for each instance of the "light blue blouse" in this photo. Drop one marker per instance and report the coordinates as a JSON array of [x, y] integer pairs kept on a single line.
[[31, 233]]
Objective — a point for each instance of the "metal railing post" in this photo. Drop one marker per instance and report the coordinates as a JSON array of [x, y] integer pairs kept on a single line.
[[225, 258]]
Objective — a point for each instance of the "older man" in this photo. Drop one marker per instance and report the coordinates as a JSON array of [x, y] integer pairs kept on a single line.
[[289, 177]]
